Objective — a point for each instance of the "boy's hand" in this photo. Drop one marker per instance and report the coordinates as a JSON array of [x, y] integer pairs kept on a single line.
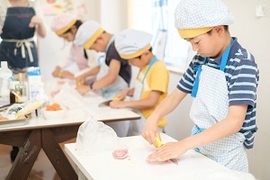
[[83, 89], [150, 132], [166, 152], [117, 104], [122, 95], [56, 72], [80, 79]]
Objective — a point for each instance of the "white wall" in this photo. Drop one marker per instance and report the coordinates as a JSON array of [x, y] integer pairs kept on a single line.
[[252, 32], [113, 15]]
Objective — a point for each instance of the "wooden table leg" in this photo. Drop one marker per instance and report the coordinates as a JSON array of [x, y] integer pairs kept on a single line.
[[57, 157], [26, 157]]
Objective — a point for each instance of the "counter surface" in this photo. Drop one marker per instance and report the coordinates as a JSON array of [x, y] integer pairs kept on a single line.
[[191, 165]]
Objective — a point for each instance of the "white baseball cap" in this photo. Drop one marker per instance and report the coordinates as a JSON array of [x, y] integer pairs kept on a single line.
[[132, 43], [195, 17], [88, 33]]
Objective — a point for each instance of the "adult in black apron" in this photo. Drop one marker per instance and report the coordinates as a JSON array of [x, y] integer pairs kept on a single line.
[[17, 46]]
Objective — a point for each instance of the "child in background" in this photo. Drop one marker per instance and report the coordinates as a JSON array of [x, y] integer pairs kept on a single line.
[[114, 74], [151, 85], [223, 79], [66, 26]]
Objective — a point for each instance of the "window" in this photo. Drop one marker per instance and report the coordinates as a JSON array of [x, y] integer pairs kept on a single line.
[[157, 17]]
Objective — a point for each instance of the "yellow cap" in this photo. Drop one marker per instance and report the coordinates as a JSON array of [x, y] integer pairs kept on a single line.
[[191, 33]]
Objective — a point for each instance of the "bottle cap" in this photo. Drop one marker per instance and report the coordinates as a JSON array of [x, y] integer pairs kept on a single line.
[[4, 65]]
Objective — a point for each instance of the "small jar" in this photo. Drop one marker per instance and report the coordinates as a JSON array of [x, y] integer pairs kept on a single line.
[[13, 92]]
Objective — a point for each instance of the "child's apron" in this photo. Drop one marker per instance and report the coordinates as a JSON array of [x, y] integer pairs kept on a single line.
[[108, 92], [136, 126], [210, 106]]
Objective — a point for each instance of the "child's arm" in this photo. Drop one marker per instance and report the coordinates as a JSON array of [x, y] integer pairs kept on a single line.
[[38, 19], [110, 77], [146, 103], [150, 131], [230, 125], [126, 92], [91, 72], [66, 74], [38, 22]]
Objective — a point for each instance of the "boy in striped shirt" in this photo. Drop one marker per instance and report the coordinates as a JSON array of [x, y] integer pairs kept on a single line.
[[222, 78]]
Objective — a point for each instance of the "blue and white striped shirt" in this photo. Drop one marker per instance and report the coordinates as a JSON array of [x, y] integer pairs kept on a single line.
[[242, 76]]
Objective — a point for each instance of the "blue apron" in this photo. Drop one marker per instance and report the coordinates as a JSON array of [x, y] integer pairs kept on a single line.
[[18, 47]]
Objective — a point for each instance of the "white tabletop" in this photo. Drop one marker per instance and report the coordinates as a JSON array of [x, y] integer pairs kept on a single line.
[[191, 165], [75, 116]]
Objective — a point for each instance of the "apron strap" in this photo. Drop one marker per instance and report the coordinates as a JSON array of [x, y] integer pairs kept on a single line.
[[196, 81], [139, 85], [22, 44], [224, 59], [153, 61]]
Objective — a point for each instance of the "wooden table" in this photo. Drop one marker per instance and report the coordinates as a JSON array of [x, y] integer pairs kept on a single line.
[[192, 165], [39, 133]]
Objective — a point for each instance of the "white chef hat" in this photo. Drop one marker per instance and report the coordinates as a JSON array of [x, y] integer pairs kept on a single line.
[[132, 43], [195, 17], [62, 23], [88, 33]]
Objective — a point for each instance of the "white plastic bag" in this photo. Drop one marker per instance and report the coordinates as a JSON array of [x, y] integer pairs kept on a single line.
[[95, 137], [69, 97]]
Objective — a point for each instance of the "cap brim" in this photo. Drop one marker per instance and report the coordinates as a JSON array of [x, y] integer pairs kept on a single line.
[[67, 27], [93, 38], [135, 54], [191, 33]]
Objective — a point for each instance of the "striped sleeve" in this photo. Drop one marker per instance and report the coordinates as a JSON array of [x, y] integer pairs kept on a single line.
[[242, 76], [243, 82]]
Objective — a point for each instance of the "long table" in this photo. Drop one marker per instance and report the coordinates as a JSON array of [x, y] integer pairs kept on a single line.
[[38, 133], [191, 165]]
